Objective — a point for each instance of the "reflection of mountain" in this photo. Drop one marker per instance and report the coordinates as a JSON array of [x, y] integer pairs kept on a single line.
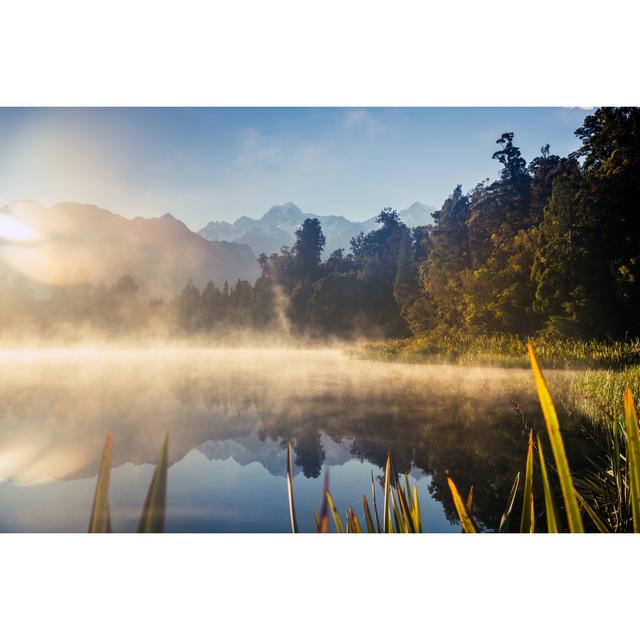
[[75, 243], [246, 404], [277, 227], [271, 454]]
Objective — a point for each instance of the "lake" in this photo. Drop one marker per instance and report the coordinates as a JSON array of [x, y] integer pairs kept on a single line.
[[230, 414]]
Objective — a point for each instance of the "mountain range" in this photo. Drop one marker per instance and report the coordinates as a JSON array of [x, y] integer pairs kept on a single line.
[[277, 227], [72, 243]]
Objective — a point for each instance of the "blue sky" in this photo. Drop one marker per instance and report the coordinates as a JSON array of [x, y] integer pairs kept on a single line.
[[221, 163]]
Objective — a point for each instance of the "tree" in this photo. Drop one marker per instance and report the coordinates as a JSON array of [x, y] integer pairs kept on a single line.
[[308, 248]]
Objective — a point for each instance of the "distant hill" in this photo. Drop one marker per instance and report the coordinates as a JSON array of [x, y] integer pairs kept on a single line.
[[73, 243], [278, 225]]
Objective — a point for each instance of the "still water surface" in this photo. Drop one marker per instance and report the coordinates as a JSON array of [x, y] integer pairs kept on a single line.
[[229, 414]]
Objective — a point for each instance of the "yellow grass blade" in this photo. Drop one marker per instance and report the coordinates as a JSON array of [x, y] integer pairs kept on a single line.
[[549, 506], [292, 508], [557, 446], [465, 520], [405, 510], [353, 519], [100, 521], [334, 514], [400, 525], [512, 496], [527, 495], [633, 456], [152, 518], [532, 519], [417, 518], [602, 528], [470, 499], [367, 516], [408, 492]]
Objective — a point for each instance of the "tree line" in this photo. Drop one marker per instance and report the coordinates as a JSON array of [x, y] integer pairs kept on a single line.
[[551, 246]]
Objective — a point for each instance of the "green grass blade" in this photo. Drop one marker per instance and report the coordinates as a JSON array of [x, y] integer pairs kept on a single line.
[[397, 515], [375, 504], [367, 516], [417, 518], [408, 492], [334, 514], [100, 521], [549, 506], [512, 496], [633, 456], [386, 522], [557, 446], [152, 518], [405, 510], [601, 526], [316, 519], [292, 507], [527, 495], [322, 524], [467, 523]]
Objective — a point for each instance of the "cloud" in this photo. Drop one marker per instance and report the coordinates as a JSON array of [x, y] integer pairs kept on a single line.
[[259, 151], [361, 118]]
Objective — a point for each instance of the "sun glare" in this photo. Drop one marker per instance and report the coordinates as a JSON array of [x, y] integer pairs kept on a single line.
[[11, 229]]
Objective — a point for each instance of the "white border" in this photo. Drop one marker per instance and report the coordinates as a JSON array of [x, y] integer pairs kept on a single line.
[[334, 52]]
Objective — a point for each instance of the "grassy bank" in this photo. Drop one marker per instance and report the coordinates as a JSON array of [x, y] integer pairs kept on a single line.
[[504, 351], [598, 393]]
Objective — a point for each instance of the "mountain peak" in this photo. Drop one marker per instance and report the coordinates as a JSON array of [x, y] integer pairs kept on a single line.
[[284, 213]]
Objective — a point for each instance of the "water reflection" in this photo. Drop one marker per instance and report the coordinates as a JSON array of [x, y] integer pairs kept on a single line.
[[230, 413]]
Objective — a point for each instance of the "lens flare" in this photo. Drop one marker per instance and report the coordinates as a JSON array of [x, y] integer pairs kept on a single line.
[[11, 229]]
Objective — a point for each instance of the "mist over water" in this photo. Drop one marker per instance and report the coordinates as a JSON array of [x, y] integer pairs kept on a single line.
[[230, 412]]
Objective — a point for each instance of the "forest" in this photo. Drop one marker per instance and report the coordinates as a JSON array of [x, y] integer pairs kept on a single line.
[[549, 248]]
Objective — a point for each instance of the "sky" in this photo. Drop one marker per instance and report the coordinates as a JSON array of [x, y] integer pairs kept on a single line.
[[203, 164]]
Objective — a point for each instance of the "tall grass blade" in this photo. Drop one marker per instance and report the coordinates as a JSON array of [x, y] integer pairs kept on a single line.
[[334, 514], [353, 519], [417, 518], [549, 506], [467, 523], [292, 507], [470, 499], [408, 492], [405, 510], [375, 504], [527, 495], [367, 516], [633, 456], [100, 521], [386, 521], [512, 496], [152, 518], [557, 446], [601, 526], [532, 519], [322, 524], [396, 515]]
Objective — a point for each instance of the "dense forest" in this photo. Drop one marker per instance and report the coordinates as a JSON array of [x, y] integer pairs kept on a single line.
[[552, 246]]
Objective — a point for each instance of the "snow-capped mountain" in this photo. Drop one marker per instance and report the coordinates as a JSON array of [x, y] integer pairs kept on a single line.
[[277, 227]]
